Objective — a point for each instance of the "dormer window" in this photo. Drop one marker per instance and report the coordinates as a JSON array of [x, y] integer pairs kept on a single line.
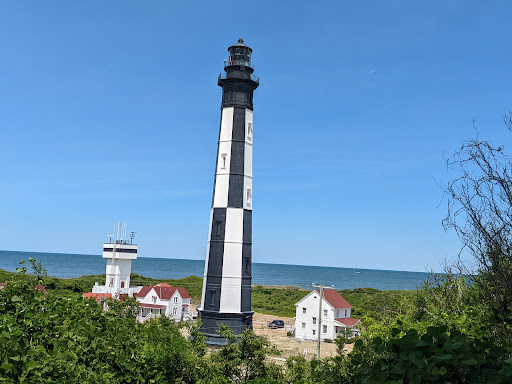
[[153, 299], [175, 299]]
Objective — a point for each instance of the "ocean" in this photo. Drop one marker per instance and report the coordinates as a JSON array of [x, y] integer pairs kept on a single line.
[[71, 265]]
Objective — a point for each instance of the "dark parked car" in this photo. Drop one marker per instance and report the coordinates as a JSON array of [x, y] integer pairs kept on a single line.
[[276, 324]]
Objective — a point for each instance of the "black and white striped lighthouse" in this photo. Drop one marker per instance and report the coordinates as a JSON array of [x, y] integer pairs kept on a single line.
[[226, 296]]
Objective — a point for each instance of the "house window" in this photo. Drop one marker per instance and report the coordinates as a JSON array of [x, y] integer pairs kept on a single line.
[[314, 332], [176, 299], [223, 158], [345, 313], [314, 320], [304, 310], [324, 329], [303, 325], [154, 299], [325, 312], [174, 311]]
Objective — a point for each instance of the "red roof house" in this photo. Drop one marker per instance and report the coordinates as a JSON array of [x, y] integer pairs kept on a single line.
[[163, 299], [334, 318]]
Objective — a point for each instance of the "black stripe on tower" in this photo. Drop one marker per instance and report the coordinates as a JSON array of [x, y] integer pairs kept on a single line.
[[215, 260], [236, 170], [237, 92], [246, 262]]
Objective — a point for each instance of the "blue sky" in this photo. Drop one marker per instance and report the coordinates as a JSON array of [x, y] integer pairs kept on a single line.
[[110, 111]]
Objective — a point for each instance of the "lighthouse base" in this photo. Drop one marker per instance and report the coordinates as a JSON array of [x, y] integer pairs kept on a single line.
[[237, 322]]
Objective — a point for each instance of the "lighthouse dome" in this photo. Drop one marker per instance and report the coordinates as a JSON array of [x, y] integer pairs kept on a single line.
[[240, 54]]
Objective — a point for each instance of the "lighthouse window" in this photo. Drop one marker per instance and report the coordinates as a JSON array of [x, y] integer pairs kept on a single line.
[[249, 196], [249, 131], [223, 161], [246, 265], [217, 228], [212, 298]]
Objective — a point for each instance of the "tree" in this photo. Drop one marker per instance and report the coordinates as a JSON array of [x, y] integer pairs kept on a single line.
[[243, 359], [480, 212]]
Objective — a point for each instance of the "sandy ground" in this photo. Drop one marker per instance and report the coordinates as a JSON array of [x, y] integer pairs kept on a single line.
[[289, 345]]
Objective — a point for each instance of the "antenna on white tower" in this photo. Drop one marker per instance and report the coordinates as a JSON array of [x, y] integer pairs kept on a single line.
[[119, 254]]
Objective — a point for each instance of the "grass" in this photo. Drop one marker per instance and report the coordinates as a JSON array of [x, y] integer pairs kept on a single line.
[[277, 301]]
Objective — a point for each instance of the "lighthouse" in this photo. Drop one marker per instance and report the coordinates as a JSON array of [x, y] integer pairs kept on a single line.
[[226, 296]]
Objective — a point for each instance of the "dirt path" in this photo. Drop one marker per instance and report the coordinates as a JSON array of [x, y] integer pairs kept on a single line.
[[289, 345]]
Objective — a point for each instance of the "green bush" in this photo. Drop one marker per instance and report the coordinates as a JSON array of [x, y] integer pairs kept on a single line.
[[438, 356]]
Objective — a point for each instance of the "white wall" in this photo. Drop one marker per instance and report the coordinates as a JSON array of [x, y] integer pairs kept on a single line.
[[311, 303], [117, 271], [172, 308]]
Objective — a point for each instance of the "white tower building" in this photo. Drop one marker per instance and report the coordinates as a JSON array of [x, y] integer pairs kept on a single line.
[[119, 252]]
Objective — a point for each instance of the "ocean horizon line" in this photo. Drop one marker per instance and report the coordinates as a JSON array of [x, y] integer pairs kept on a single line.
[[254, 262]]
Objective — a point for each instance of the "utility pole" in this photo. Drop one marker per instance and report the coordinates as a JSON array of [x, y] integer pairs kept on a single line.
[[321, 286]]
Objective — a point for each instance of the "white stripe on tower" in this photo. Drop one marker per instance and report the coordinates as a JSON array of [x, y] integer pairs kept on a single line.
[[231, 288], [248, 160], [220, 198]]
